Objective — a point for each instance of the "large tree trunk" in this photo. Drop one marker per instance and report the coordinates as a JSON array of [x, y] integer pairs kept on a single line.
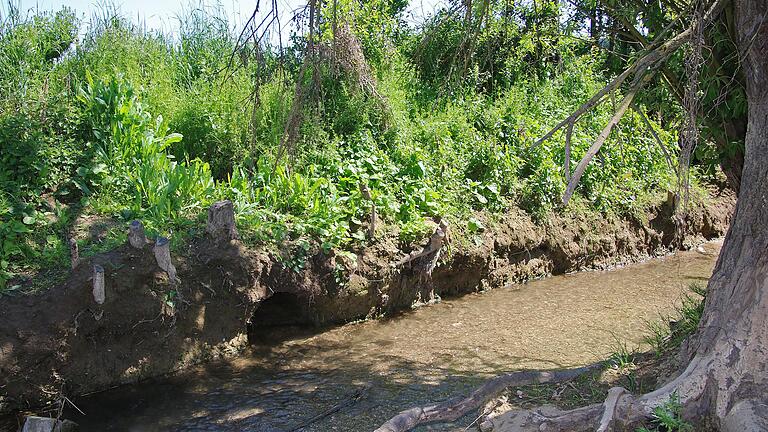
[[732, 355], [726, 382]]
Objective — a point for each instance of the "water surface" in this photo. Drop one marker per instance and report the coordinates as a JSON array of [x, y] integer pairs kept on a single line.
[[425, 355]]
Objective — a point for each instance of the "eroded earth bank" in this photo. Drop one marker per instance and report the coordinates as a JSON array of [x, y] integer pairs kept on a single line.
[[229, 294]]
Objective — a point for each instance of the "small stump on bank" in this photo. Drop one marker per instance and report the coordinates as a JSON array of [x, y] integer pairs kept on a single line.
[[74, 253], [221, 222], [162, 251], [136, 237]]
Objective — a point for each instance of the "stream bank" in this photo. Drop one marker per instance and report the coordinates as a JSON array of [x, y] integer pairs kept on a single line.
[[62, 343], [428, 355]]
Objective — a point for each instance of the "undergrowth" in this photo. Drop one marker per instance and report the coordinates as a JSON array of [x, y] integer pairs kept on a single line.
[[667, 417], [120, 123]]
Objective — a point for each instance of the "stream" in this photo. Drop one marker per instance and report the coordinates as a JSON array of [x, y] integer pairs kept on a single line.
[[422, 356]]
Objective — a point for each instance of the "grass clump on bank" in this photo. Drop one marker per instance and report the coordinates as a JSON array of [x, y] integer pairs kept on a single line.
[[118, 123], [669, 333]]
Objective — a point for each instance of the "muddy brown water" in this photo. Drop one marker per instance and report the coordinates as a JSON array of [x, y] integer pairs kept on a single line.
[[428, 354]]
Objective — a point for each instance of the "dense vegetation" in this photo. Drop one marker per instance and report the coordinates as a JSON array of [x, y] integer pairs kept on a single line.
[[115, 122]]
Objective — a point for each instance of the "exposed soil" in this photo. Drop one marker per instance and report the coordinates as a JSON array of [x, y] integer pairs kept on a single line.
[[62, 341]]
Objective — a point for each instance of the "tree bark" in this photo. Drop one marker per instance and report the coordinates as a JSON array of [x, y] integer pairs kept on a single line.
[[733, 336]]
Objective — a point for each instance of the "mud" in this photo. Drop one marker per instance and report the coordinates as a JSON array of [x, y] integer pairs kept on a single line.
[[62, 343]]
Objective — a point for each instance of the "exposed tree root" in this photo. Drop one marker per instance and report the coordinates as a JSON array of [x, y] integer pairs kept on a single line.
[[548, 419], [457, 407], [609, 408], [622, 411]]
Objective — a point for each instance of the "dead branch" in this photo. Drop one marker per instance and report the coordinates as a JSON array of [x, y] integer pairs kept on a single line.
[[655, 136], [436, 241], [588, 105], [650, 60], [348, 53], [609, 408], [302, 92], [348, 401], [456, 408], [567, 162], [574, 181]]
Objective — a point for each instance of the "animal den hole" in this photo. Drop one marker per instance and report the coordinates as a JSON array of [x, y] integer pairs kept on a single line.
[[279, 317]]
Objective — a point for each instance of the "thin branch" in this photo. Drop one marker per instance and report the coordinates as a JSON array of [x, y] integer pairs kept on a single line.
[[655, 136], [592, 102], [567, 163]]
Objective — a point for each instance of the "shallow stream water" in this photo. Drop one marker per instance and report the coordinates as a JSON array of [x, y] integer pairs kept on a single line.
[[425, 355]]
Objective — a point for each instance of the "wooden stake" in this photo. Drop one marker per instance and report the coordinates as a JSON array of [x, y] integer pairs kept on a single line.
[[99, 293], [366, 193], [74, 253], [162, 251]]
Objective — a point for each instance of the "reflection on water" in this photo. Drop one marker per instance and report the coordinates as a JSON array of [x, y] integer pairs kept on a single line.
[[425, 355]]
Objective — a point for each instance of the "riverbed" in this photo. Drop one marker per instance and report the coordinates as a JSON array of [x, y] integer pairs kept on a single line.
[[425, 355]]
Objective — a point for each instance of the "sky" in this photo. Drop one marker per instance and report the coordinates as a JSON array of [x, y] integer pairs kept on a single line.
[[161, 14]]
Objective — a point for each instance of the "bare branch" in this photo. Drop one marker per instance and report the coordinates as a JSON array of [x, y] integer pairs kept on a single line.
[[652, 59], [609, 408], [655, 136], [592, 102], [567, 163], [458, 407], [574, 181]]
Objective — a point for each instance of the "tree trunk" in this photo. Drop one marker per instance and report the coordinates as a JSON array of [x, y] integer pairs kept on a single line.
[[732, 162], [732, 354]]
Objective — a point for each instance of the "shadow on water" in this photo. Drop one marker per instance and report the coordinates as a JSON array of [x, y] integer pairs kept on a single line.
[[294, 373]]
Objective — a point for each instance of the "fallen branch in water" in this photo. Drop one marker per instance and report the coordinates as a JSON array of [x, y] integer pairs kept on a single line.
[[455, 408]]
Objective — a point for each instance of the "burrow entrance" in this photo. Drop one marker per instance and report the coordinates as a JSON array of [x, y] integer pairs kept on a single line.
[[279, 317]]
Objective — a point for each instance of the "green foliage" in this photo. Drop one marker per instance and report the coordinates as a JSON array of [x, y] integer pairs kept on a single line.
[[667, 417], [623, 360], [128, 124], [132, 164]]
